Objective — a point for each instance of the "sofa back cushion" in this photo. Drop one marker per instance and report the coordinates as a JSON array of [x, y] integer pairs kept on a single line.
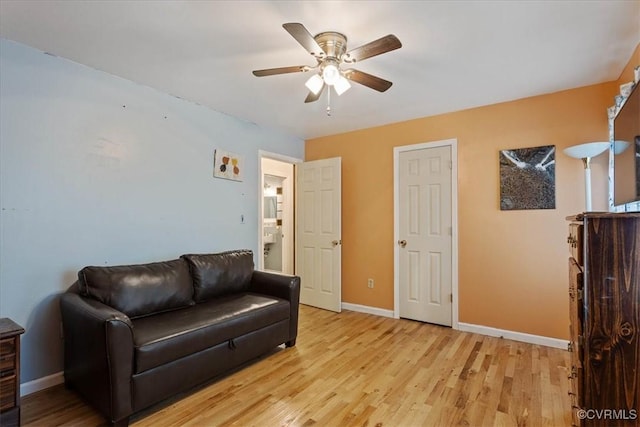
[[140, 290], [220, 274]]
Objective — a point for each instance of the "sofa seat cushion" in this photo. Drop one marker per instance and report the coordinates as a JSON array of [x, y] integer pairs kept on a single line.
[[166, 337]]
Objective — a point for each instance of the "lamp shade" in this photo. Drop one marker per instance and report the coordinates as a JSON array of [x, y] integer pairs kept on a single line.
[[342, 85], [314, 84], [620, 146], [330, 74], [586, 150]]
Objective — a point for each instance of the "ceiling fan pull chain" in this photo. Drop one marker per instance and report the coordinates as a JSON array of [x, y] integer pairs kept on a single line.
[[329, 101]]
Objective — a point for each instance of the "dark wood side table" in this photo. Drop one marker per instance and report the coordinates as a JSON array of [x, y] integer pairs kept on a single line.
[[10, 372]]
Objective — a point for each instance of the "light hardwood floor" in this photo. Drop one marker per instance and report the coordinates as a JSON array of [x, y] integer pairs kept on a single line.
[[355, 369]]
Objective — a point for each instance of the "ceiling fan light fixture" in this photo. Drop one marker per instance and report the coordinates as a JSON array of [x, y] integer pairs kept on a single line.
[[329, 49], [342, 85], [314, 84], [330, 74]]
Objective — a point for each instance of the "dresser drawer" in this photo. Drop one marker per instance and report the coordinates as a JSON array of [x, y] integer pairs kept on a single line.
[[7, 346], [7, 363], [7, 354], [7, 392]]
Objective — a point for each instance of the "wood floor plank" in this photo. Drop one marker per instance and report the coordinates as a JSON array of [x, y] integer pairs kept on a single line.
[[355, 369]]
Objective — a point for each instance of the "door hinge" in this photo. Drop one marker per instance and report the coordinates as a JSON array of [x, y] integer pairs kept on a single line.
[[450, 164], [450, 297]]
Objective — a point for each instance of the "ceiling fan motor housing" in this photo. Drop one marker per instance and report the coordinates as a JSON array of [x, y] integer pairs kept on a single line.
[[332, 43]]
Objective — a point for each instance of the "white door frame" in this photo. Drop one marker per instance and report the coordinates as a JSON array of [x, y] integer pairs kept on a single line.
[[453, 143], [273, 156]]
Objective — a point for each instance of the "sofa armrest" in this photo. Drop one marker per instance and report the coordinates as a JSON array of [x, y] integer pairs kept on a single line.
[[278, 285], [98, 346], [281, 286]]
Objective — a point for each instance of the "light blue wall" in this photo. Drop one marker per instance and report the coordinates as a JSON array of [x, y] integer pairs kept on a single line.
[[97, 170]]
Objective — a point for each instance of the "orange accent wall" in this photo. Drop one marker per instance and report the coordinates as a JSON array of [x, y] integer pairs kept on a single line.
[[512, 265]]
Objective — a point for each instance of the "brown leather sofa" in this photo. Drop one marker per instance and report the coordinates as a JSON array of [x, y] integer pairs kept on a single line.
[[135, 335]]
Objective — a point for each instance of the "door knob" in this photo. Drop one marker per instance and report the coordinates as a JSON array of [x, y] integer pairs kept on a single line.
[[336, 242], [402, 243]]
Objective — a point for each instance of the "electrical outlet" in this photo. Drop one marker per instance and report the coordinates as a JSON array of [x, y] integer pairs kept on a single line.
[[370, 283]]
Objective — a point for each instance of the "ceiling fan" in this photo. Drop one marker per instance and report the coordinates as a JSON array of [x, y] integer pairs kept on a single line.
[[329, 48]]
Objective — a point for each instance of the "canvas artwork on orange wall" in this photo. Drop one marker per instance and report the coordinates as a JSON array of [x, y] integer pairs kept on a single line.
[[528, 178]]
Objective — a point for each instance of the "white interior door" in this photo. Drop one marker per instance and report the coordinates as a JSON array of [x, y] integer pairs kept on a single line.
[[318, 236], [425, 234]]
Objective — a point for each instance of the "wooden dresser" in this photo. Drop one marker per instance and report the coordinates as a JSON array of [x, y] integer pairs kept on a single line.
[[10, 372], [604, 297]]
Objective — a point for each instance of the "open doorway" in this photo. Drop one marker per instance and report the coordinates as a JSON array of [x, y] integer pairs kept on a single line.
[[277, 215]]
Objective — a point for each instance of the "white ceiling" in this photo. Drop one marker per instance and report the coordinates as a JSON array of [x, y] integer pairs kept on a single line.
[[455, 54]]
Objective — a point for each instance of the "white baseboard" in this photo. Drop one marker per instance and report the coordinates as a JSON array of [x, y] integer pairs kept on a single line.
[[477, 329], [512, 335], [366, 309], [41, 383]]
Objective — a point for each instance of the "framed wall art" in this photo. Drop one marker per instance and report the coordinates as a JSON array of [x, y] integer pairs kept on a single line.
[[528, 178], [227, 165]]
